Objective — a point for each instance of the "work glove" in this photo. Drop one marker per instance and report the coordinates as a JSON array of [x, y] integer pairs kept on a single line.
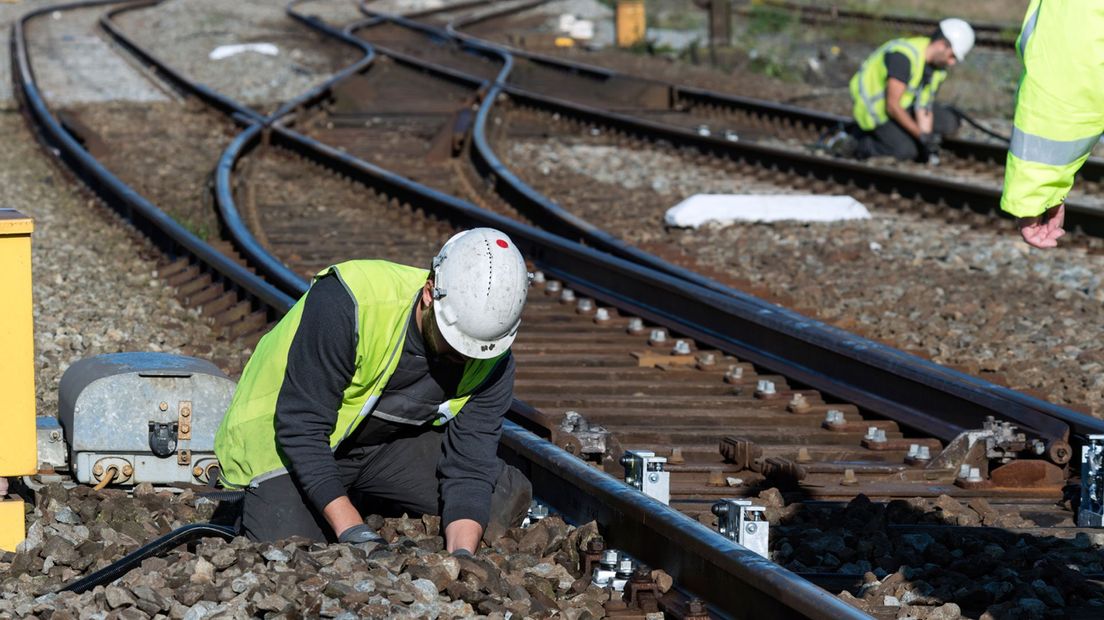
[[929, 145], [359, 534]]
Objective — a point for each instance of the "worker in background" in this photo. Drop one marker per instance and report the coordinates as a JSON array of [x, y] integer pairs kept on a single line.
[[385, 386], [894, 96], [1059, 113]]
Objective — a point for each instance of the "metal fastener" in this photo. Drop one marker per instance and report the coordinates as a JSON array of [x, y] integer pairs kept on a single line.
[[601, 315], [681, 347], [658, 336], [734, 374], [538, 277], [635, 326], [553, 287], [585, 305], [164, 406], [765, 387], [567, 296]]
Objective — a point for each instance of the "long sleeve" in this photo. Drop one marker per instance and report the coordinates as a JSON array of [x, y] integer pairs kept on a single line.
[[469, 462], [320, 365]]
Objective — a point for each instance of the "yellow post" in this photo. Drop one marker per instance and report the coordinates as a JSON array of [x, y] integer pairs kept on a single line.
[[630, 23], [18, 451]]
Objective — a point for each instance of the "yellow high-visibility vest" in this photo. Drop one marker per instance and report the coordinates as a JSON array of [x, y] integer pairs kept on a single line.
[[868, 86], [1059, 106]]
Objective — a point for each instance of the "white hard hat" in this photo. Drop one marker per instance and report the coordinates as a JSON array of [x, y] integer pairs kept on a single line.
[[959, 34], [479, 289]]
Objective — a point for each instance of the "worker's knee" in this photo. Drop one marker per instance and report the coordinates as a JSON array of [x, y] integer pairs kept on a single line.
[[509, 503]]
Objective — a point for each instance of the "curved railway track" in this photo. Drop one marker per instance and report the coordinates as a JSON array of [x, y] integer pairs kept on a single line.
[[703, 121], [794, 399]]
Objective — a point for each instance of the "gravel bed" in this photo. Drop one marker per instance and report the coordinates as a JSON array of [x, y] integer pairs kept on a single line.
[[972, 298], [183, 34], [75, 63], [83, 262], [167, 152], [940, 572], [531, 572]]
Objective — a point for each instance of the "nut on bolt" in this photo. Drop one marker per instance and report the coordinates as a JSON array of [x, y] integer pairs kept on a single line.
[[635, 326], [601, 315], [128, 470], [734, 374], [681, 347], [98, 470], [553, 287], [658, 336]]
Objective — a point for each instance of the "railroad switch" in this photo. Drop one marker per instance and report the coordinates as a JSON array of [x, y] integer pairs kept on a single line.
[[1091, 511], [745, 524], [645, 471]]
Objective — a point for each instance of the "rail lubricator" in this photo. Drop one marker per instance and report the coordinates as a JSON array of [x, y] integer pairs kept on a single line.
[[698, 558]]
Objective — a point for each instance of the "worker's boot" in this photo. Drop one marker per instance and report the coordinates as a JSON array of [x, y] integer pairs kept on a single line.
[[509, 504]]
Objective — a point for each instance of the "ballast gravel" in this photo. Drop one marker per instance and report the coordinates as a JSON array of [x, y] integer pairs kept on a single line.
[[95, 284], [979, 299], [532, 572], [184, 35]]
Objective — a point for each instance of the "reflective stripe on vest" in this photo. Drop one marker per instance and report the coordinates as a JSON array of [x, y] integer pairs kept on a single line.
[[1030, 147], [1028, 30]]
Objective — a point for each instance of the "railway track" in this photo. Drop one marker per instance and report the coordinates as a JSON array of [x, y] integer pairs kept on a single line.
[[988, 35], [759, 385], [769, 135]]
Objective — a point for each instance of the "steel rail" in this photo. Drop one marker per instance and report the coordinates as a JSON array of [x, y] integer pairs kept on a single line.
[[707, 564], [988, 34], [702, 560], [167, 235], [539, 209], [876, 377], [601, 274], [1093, 170]]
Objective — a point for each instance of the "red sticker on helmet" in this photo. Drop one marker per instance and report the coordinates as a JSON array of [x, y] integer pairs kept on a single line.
[[502, 243]]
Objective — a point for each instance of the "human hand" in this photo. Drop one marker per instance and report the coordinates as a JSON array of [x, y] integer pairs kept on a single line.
[[1043, 231], [359, 534], [3, 487], [930, 144]]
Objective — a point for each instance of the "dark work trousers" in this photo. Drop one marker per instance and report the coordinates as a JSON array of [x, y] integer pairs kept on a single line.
[[891, 138], [389, 479]]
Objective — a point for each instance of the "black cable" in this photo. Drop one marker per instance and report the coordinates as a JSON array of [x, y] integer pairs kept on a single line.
[[976, 125], [173, 539]]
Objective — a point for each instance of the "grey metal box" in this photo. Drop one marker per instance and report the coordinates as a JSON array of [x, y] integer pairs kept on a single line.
[[150, 416]]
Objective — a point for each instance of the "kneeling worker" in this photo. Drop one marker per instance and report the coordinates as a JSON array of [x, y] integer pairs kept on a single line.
[[387, 384], [894, 95]]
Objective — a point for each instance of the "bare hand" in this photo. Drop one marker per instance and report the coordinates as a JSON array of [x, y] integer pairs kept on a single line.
[[1043, 231], [3, 487], [463, 534]]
